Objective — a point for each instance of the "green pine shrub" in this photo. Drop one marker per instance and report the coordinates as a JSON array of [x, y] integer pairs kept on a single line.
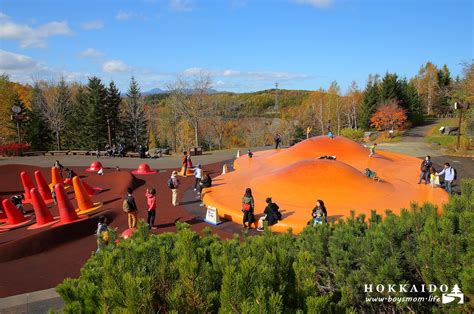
[[322, 270], [353, 134]]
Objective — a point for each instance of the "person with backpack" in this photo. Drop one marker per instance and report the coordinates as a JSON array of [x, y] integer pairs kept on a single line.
[[449, 176], [425, 167], [130, 207], [197, 176], [173, 184], [102, 233], [318, 214], [271, 214], [184, 163], [150, 195], [248, 207]]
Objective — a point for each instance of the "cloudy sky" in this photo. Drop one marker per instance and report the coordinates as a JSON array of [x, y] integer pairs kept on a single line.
[[245, 45]]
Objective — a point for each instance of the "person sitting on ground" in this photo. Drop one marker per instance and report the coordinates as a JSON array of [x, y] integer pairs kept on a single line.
[[130, 207], [449, 176], [318, 214], [206, 182], [434, 179], [271, 214], [102, 233], [249, 153], [248, 207], [151, 207], [17, 200], [197, 176], [425, 168], [372, 149]]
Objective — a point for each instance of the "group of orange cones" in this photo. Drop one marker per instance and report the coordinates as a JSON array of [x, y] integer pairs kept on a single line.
[[42, 195]]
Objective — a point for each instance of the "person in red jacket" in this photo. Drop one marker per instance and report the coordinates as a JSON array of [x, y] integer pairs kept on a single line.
[[151, 207]]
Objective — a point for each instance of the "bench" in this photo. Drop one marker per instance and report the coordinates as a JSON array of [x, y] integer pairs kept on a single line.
[[57, 152], [35, 153], [195, 151], [132, 155], [80, 152]]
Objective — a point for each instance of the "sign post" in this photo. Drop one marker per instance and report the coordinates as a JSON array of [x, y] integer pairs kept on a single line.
[[212, 217]]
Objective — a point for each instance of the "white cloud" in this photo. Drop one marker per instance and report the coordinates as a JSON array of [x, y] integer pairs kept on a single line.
[[24, 69], [91, 25], [123, 16], [249, 75], [315, 3], [91, 53], [181, 5], [31, 36], [115, 66]]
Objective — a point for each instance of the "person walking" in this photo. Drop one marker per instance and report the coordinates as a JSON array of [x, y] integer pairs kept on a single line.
[[277, 140], [151, 207], [449, 176], [130, 207], [173, 184], [197, 176], [372, 150], [248, 207], [425, 167], [184, 163]]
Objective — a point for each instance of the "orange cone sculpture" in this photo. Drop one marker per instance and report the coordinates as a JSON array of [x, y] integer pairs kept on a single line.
[[55, 177], [43, 187], [42, 213], [67, 213], [27, 185], [13, 214], [84, 201]]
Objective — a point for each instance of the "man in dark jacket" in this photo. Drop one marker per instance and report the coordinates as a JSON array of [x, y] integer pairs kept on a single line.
[[130, 207], [271, 214], [206, 182], [425, 170]]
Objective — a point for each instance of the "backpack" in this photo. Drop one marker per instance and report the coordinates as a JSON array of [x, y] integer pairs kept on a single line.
[[455, 173], [170, 184], [125, 206]]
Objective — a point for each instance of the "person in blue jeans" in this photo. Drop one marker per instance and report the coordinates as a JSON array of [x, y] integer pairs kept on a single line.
[[449, 174], [425, 170]]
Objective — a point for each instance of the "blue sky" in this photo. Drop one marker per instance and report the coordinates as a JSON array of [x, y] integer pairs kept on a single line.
[[245, 45]]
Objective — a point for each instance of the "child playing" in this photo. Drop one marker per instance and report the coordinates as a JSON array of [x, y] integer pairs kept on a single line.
[[434, 179]]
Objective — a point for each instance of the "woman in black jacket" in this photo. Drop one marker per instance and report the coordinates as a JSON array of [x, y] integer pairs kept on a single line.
[[271, 214]]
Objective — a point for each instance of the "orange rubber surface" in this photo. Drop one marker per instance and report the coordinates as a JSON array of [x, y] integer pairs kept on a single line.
[[295, 178]]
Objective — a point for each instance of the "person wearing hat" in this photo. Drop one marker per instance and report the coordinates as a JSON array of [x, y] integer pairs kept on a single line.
[[197, 176], [173, 184]]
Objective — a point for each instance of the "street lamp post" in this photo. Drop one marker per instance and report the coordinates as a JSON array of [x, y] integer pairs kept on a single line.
[[460, 106], [17, 116]]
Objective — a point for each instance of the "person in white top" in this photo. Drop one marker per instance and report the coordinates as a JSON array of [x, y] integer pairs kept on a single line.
[[449, 174], [198, 176]]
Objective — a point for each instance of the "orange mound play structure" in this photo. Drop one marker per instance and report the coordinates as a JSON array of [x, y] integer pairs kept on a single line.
[[295, 178]]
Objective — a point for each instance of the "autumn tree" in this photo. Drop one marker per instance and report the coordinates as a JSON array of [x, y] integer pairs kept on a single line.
[[191, 98], [37, 131], [389, 116], [223, 109], [427, 86]]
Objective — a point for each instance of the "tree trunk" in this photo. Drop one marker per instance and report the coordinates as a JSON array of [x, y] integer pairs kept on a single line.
[[196, 133], [58, 141], [321, 116]]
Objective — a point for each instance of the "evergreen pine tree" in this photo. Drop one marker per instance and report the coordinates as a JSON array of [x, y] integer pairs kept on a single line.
[[413, 103], [369, 103], [443, 104], [134, 118], [389, 88], [17, 102], [97, 106], [78, 134], [113, 110], [38, 133]]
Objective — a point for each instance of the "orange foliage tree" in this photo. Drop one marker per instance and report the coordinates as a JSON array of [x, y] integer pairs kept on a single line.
[[389, 116]]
